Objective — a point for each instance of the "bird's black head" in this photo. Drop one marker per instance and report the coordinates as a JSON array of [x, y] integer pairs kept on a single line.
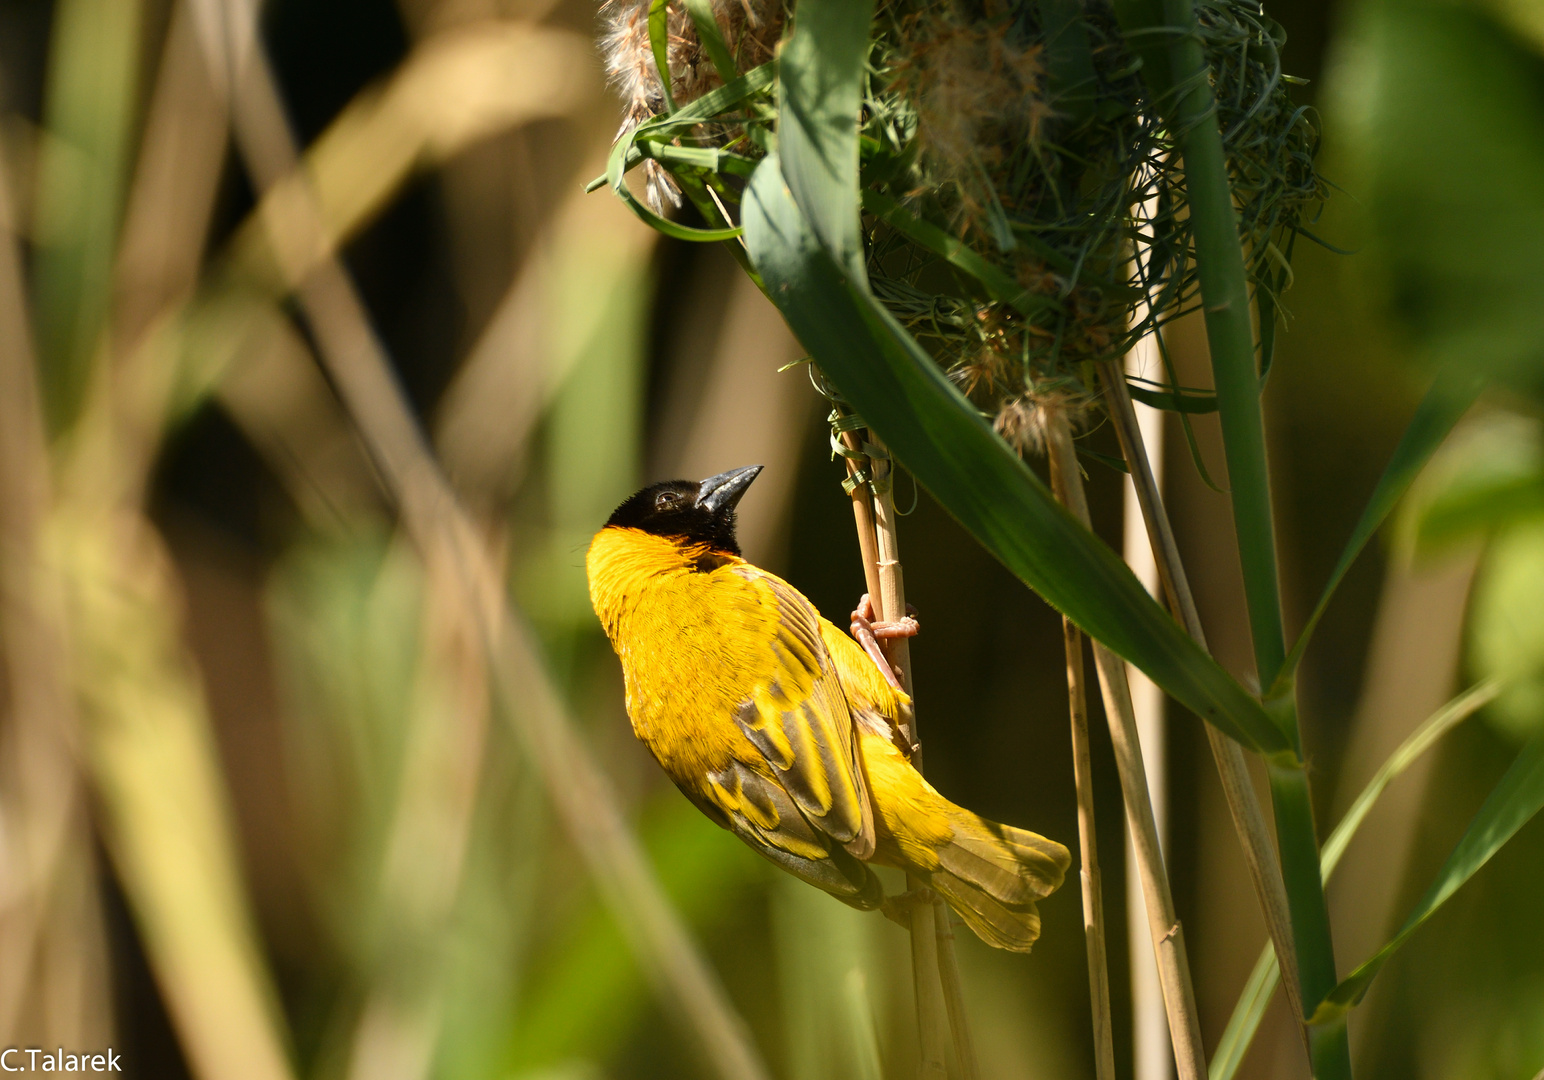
[[699, 512]]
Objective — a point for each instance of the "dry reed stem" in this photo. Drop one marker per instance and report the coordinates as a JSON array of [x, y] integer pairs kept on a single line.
[[166, 216], [281, 402], [926, 974], [893, 593], [1089, 874], [927, 979], [510, 376], [863, 516], [165, 818], [454, 89], [1163, 923], [1232, 767], [432, 517], [890, 607], [451, 92], [954, 992]]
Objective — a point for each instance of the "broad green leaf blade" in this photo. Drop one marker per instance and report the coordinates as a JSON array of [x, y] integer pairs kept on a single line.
[[820, 91], [1447, 400], [1515, 800], [1266, 976], [928, 424]]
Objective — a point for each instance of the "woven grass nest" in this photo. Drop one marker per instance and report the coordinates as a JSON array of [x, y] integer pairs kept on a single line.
[[1024, 207]]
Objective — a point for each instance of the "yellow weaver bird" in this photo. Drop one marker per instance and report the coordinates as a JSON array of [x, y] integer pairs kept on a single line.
[[780, 727]]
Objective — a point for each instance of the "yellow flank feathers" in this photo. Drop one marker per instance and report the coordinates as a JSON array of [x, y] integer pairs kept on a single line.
[[782, 730]]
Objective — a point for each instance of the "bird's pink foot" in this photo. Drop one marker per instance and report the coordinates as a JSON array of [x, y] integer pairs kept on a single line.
[[868, 633], [898, 907]]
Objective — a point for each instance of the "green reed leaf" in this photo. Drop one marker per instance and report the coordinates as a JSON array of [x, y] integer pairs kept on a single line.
[[820, 90], [999, 284], [930, 426], [659, 45]]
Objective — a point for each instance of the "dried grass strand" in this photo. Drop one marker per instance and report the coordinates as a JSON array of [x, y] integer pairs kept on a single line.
[[1089, 875], [1163, 922], [1232, 766]]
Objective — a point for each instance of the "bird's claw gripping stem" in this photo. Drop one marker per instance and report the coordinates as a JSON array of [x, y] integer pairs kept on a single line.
[[868, 633], [898, 907]]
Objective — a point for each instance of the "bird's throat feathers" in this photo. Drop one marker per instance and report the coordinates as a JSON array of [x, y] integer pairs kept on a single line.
[[625, 564]]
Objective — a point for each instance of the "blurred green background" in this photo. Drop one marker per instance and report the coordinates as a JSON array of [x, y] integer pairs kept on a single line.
[[259, 813]]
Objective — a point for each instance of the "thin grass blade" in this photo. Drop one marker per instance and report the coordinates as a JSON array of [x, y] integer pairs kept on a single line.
[[712, 38], [1512, 803], [1447, 400], [999, 284], [659, 45], [1263, 980]]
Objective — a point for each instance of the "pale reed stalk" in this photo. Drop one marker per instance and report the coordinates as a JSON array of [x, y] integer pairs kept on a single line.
[[1088, 848], [1152, 1057], [882, 574], [891, 608], [1163, 923], [46, 865], [1232, 768]]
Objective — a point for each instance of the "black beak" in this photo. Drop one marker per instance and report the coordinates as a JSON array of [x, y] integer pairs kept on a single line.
[[722, 492]]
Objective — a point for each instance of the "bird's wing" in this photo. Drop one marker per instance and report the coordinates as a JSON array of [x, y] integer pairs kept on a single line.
[[796, 715], [762, 814]]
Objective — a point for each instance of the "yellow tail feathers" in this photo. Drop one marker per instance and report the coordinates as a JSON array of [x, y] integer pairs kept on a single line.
[[992, 875]]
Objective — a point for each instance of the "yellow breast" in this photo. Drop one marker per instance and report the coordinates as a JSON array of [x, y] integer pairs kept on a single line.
[[664, 617]]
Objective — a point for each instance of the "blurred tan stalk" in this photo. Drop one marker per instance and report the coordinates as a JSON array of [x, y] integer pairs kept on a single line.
[[296, 226], [1089, 876], [1412, 665], [427, 843], [53, 984], [166, 817]]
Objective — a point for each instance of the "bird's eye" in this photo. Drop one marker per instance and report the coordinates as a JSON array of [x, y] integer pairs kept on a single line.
[[666, 501]]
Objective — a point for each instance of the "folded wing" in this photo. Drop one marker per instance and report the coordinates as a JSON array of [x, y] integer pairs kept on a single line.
[[811, 787]]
